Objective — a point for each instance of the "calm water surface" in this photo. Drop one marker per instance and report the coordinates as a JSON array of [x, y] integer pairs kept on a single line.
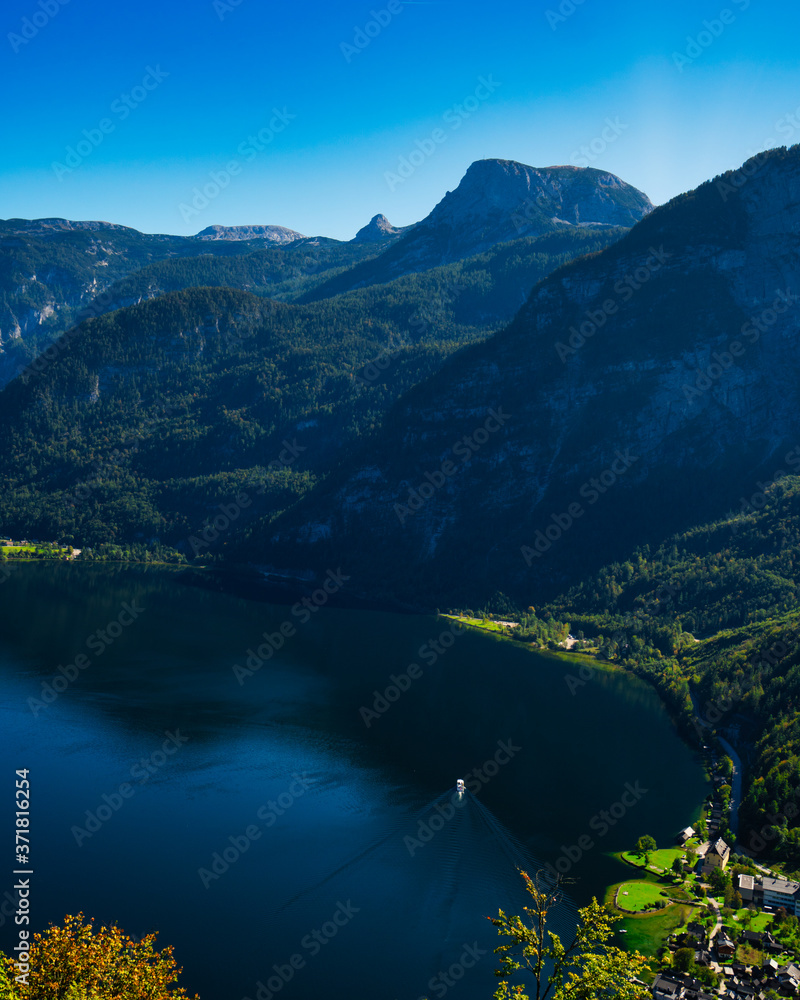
[[264, 821]]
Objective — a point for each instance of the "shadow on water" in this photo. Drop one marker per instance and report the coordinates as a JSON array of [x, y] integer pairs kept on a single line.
[[459, 863]]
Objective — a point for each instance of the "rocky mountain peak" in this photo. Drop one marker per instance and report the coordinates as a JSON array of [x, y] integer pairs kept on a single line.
[[272, 234], [510, 199], [377, 229]]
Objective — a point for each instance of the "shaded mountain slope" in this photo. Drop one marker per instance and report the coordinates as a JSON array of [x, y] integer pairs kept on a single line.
[[682, 388]]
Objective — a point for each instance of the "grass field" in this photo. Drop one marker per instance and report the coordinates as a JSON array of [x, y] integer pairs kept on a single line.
[[659, 860], [636, 896], [760, 921], [485, 623], [42, 547], [647, 932]]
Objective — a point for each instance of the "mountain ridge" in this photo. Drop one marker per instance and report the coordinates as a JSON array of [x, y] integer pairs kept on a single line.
[[495, 202], [272, 234], [645, 317]]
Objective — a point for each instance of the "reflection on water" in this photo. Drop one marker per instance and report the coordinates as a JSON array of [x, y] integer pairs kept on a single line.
[[279, 825]]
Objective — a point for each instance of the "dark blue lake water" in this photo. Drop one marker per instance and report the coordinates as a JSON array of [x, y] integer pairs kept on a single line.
[[270, 834]]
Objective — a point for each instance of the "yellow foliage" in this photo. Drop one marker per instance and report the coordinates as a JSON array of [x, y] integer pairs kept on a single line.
[[75, 962]]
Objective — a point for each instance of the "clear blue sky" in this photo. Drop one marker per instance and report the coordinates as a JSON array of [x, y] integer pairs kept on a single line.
[[557, 79]]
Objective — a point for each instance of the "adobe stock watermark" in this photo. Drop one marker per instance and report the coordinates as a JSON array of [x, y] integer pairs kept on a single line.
[[585, 155], [624, 289], [439, 984], [529, 211], [775, 830], [121, 107], [142, 770], [474, 780], [220, 179], [224, 7], [591, 491], [697, 44], [363, 37], [8, 907], [239, 844], [565, 11], [464, 449], [31, 26], [429, 652], [454, 117], [219, 523], [311, 945], [302, 611], [98, 642], [369, 373], [601, 823], [7, 567]]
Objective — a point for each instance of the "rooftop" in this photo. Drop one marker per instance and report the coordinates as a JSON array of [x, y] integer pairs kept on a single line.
[[779, 885]]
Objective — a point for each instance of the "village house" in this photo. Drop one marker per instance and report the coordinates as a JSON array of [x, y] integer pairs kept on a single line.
[[761, 941], [741, 982], [677, 986], [725, 947], [718, 855]]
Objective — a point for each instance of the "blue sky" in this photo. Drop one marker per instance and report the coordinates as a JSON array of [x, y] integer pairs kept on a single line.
[[340, 99]]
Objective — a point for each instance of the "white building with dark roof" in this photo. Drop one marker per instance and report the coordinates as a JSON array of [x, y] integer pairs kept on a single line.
[[764, 891]]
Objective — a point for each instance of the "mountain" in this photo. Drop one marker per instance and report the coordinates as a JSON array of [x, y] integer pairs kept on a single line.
[[498, 201], [51, 269], [272, 234], [638, 391], [54, 272], [40, 227], [377, 230], [143, 420], [282, 271]]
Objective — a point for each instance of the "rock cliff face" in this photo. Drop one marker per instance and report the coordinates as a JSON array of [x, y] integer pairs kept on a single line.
[[53, 269], [639, 390], [498, 201], [272, 234]]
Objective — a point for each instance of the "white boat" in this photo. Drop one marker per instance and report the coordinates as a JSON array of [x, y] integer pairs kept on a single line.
[[460, 785]]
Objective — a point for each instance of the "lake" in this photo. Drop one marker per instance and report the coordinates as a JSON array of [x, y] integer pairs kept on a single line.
[[261, 790]]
